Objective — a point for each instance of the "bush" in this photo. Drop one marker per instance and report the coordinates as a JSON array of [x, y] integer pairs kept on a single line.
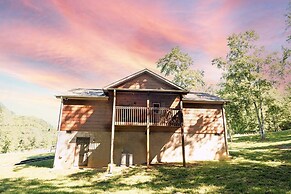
[[285, 125]]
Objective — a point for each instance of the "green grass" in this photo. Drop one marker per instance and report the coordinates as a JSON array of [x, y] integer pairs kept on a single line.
[[255, 167]]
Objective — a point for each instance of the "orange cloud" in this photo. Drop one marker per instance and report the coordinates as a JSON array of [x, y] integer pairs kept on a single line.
[[93, 43], [67, 44]]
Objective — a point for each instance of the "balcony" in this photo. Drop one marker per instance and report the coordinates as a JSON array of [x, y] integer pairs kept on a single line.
[[140, 116]]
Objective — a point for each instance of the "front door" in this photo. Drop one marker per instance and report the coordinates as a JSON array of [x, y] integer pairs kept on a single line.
[[83, 148]]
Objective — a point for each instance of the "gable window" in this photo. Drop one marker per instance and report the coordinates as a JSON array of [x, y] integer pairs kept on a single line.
[[156, 107]]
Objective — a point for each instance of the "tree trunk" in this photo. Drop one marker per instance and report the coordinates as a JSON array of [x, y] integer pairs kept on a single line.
[[274, 123], [261, 127], [263, 135]]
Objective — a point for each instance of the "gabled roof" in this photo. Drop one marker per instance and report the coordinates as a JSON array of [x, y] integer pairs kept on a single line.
[[101, 94], [115, 84]]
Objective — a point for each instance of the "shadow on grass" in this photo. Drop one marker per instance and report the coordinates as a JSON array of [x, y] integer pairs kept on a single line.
[[227, 178], [255, 175], [223, 177], [49, 163], [22, 185]]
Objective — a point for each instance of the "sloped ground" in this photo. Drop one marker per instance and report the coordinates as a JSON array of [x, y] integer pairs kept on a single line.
[[256, 167]]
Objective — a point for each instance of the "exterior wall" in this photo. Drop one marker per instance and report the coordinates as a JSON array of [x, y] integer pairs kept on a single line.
[[133, 142], [140, 99], [146, 81], [66, 155], [90, 115], [203, 131], [86, 115]]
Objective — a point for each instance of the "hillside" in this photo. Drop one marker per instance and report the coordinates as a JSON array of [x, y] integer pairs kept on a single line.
[[24, 132]]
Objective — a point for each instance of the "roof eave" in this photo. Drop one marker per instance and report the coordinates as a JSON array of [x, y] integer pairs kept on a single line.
[[204, 101], [82, 97], [148, 90]]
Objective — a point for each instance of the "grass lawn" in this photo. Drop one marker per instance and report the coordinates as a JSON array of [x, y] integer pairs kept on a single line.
[[256, 167]]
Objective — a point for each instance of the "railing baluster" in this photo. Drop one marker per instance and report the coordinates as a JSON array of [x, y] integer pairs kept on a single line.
[[134, 116], [126, 115]]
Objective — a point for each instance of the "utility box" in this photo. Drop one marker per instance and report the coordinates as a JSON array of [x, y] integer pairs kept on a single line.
[[123, 159], [126, 159], [130, 159]]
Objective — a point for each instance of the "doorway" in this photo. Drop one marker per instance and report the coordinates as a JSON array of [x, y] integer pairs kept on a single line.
[[83, 149]]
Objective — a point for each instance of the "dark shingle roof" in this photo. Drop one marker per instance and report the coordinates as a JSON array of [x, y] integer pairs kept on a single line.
[[83, 93], [202, 96]]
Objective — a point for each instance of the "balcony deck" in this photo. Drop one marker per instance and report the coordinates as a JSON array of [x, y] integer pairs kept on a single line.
[[141, 116]]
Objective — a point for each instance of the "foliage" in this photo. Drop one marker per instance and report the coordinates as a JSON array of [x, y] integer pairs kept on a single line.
[[178, 64], [23, 132], [288, 19], [249, 81], [286, 52], [255, 167]]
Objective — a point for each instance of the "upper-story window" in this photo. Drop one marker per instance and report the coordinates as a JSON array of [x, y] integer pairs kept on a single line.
[[156, 107]]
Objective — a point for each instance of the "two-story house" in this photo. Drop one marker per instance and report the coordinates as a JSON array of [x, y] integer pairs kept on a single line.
[[140, 119]]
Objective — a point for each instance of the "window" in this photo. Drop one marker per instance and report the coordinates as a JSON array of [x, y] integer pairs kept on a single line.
[[156, 107]]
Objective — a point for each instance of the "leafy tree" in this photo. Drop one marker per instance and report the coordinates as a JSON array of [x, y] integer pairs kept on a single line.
[[286, 51], [245, 82], [178, 64], [288, 19]]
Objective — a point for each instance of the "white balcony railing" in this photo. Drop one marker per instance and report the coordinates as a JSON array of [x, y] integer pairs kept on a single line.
[[126, 115]]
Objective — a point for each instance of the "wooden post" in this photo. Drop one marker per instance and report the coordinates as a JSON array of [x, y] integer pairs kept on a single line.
[[112, 132], [182, 132], [148, 132], [60, 114], [225, 130]]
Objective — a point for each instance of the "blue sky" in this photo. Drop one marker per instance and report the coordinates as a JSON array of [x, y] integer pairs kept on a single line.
[[47, 47]]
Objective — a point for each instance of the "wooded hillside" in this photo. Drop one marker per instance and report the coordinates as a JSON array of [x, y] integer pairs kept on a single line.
[[24, 132]]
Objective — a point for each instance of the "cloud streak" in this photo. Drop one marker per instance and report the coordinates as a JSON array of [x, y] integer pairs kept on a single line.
[[62, 44], [59, 44]]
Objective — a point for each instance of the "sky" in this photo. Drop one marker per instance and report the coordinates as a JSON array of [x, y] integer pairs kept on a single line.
[[48, 47]]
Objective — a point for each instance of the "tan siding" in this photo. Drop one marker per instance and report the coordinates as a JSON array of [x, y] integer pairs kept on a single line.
[[140, 99], [86, 115], [146, 81], [203, 119]]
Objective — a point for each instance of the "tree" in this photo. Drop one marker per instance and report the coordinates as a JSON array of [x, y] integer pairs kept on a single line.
[[245, 83], [178, 64], [288, 19], [286, 51]]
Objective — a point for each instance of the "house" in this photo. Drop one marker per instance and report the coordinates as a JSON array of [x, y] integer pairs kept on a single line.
[[140, 119]]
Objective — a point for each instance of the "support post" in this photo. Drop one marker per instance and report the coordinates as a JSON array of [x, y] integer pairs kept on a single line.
[[225, 130], [60, 114], [182, 132], [148, 133], [112, 133]]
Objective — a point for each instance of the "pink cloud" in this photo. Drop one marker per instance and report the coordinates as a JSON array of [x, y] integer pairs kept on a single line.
[[100, 41], [61, 45]]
